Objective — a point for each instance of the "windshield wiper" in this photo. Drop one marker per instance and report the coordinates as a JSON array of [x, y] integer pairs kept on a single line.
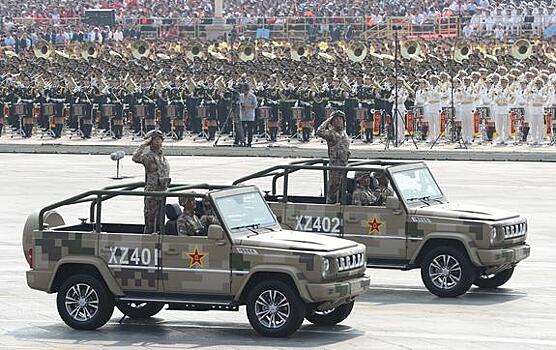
[[422, 199], [251, 227]]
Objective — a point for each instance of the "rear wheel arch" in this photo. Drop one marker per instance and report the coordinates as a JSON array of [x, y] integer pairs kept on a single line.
[[69, 267]]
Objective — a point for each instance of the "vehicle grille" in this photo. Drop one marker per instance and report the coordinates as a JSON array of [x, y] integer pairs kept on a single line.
[[350, 262], [515, 230]]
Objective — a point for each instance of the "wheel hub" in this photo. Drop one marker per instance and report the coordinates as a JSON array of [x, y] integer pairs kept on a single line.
[[82, 302]]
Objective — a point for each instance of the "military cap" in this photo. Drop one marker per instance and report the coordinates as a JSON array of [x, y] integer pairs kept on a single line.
[[154, 133], [338, 113], [361, 174], [183, 200]]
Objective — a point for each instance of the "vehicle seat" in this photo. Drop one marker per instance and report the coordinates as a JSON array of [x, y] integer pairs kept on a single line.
[[374, 183], [173, 212]]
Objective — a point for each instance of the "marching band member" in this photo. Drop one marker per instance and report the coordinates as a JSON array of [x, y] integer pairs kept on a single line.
[[537, 98], [432, 108], [502, 99], [466, 110]]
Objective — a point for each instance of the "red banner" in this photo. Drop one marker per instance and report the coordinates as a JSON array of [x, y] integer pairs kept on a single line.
[[476, 123], [442, 122], [376, 123], [548, 122], [409, 123], [513, 119]]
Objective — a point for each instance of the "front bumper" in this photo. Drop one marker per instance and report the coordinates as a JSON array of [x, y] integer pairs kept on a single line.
[[319, 292], [503, 256]]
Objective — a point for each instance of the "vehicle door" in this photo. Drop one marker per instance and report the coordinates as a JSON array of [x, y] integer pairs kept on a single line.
[[305, 208], [196, 265], [132, 256], [380, 229]]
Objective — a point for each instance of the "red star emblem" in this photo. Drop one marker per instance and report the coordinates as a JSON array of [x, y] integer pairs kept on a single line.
[[196, 258], [374, 226]]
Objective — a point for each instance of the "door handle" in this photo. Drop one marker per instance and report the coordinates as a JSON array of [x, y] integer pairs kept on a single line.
[[396, 212], [221, 242], [171, 251]]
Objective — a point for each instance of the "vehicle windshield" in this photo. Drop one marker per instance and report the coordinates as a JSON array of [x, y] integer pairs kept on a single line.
[[417, 185], [244, 211]]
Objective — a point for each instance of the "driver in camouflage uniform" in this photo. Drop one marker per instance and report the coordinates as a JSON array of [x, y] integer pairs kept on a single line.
[[383, 191], [362, 195], [333, 130], [188, 224], [157, 175]]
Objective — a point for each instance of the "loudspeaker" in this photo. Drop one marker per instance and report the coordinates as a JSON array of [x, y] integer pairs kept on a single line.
[[100, 17]]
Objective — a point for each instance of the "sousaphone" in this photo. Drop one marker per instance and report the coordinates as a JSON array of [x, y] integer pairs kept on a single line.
[[140, 49]]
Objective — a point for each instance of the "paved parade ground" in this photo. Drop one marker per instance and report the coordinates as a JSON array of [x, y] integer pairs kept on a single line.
[[397, 313]]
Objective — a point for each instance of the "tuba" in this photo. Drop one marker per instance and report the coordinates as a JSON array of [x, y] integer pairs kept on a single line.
[[298, 51], [43, 49], [409, 49], [462, 52], [140, 49], [89, 50], [522, 49], [246, 52], [357, 52], [194, 50]]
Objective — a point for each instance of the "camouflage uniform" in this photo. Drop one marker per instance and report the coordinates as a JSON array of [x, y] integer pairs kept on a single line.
[[209, 218], [338, 152], [363, 196], [381, 194], [188, 224], [157, 178]]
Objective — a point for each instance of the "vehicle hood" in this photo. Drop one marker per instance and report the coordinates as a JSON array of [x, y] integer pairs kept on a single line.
[[465, 211], [295, 240]]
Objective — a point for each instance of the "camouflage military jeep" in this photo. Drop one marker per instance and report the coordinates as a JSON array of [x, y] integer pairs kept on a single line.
[[454, 246], [247, 259]]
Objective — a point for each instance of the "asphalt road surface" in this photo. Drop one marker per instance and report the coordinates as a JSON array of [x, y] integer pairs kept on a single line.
[[397, 313]]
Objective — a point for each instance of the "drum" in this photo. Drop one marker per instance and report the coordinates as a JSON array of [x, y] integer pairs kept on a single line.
[[202, 112], [264, 112], [361, 113], [171, 111], [297, 112], [79, 110], [28, 121], [48, 109], [141, 111], [306, 124], [424, 129], [19, 109], [108, 110]]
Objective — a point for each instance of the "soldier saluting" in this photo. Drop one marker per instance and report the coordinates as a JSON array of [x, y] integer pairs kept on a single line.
[[157, 175], [333, 130]]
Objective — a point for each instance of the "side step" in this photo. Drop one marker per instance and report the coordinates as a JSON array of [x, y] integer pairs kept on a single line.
[[388, 264], [186, 302]]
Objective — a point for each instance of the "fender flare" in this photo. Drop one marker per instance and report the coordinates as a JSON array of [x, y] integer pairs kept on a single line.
[[451, 236], [97, 263]]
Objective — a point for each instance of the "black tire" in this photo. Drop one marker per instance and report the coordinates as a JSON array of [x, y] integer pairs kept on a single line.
[[331, 318], [294, 312], [494, 281], [447, 283], [93, 292], [139, 310]]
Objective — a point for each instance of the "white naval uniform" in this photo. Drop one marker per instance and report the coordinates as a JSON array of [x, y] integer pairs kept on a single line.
[[536, 102], [466, 112], [402, 97], [502, 98], [431, 110]]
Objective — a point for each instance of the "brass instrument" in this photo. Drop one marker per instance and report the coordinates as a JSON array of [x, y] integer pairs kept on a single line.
[[357, 52], [89, 50], [194, 50], [246, 52], [462, 52], [298, 51], [410, 49], [522, 49], [43, 49], [140, 49]]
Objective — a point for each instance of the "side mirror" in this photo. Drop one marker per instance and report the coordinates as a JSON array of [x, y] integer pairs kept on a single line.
[[392, 203], [215, 232]]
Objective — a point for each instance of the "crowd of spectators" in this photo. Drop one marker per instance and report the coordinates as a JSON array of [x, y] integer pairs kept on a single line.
[[58, 20]]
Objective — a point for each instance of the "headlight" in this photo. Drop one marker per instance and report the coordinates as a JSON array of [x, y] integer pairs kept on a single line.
[[493, 235], [325, 268]]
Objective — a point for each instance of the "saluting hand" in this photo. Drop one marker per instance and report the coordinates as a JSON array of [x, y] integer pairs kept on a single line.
[[147, 141]]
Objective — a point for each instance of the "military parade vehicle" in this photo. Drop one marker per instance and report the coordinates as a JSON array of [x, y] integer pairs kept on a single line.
[[455, 246], [246, 258]]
